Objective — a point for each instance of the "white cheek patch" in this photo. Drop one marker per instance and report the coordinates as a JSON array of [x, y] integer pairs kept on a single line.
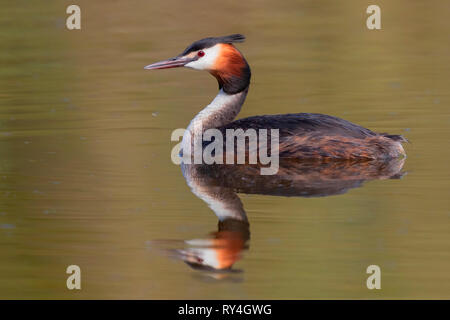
[[208, 255], [207, 61]]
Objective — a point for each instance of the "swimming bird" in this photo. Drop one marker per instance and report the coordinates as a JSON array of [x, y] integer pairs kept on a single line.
[[301, 135]]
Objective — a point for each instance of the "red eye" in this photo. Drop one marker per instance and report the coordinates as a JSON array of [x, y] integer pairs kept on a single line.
[[201, 53]]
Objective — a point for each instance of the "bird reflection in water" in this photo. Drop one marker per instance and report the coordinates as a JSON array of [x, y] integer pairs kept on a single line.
[[218, 254], [343, 149], [218, 186]]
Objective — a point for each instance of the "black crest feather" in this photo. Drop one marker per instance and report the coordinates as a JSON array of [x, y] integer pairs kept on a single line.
[[212, 41]]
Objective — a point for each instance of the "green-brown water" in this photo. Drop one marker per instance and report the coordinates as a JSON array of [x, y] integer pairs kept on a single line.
[[85, 170]]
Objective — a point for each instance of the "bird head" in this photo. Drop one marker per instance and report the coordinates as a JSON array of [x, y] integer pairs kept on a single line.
[[218, 56]]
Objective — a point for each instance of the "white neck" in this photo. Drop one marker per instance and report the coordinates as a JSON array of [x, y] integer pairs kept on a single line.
[[221, 111]]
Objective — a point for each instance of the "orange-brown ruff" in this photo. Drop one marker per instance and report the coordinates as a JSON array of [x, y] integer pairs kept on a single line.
[[301, 135], [229, 64]]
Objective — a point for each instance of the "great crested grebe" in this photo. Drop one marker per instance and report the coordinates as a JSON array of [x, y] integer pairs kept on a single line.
[[301, 135]]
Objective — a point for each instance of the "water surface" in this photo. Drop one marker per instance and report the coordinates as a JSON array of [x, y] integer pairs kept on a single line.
[[85, 170]]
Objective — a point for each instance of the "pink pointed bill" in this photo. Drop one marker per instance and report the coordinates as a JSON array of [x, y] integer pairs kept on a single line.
[[169, 63]]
